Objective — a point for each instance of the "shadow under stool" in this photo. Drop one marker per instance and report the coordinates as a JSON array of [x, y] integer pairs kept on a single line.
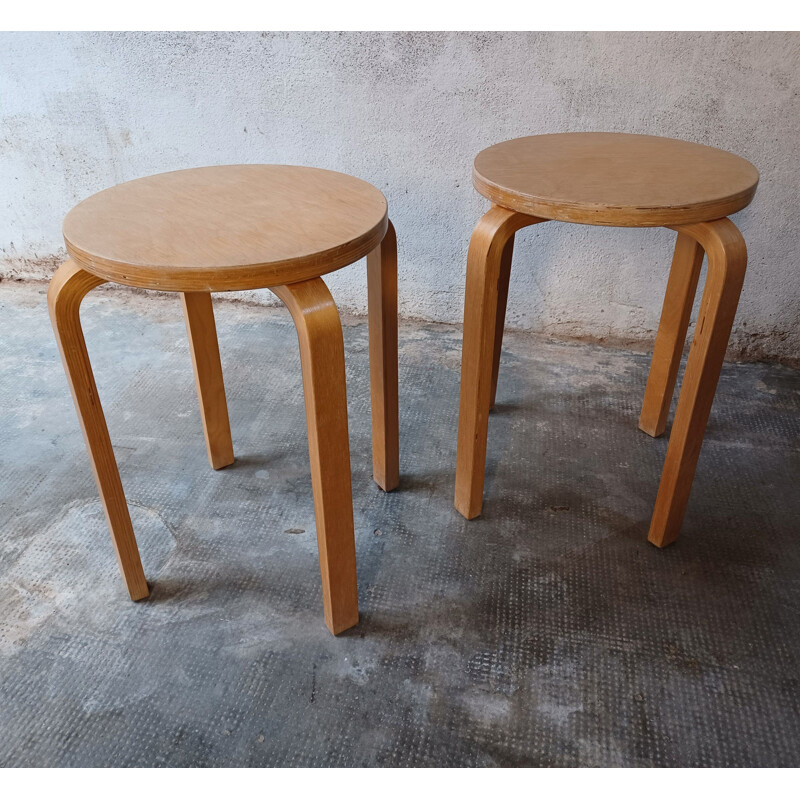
[[621, 180], [232, 228]]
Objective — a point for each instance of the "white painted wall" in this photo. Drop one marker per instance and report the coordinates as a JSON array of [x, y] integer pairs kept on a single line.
[[408, 112]]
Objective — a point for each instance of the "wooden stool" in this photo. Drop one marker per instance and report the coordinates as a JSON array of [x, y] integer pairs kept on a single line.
[[619, 180], [219, 229]]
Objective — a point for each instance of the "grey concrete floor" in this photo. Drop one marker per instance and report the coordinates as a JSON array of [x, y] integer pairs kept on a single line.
[[547, 632]]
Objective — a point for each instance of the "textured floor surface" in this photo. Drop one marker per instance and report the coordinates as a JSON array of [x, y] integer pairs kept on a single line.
[[547, 632]]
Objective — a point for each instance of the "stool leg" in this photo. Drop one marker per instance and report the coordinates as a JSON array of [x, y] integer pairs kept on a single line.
[[199, 315], [681, 288], [486, 250], [727, 260], [382, 293], [67, 289], [502, 300], [319, 331]]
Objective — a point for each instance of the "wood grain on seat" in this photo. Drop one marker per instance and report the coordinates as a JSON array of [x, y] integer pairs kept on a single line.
[[215, 229], [618, 179]]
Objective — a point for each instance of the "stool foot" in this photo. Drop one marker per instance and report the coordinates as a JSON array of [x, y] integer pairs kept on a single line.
[[382, 293], [319, 332], [727, 260], [199, 315], [675, 314], [487, 251], [67, 289]]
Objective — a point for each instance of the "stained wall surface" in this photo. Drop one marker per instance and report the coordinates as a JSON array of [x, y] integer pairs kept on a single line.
[[408, 112]]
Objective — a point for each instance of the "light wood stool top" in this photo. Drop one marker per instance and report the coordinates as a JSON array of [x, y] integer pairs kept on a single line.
[[618, 179], [226, 228]]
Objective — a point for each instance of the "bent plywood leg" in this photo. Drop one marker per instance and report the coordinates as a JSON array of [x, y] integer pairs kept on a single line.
[[486, 250], [681, 288], [67, 288], [199, 315], [502, 301], [382, 292], [319, 331], [727, 259]]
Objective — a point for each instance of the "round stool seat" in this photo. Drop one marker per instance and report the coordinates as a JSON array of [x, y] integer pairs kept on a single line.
[[617, 179], [226, 228]]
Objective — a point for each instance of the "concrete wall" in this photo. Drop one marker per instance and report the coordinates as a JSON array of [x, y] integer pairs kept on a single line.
[[408, 112]]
